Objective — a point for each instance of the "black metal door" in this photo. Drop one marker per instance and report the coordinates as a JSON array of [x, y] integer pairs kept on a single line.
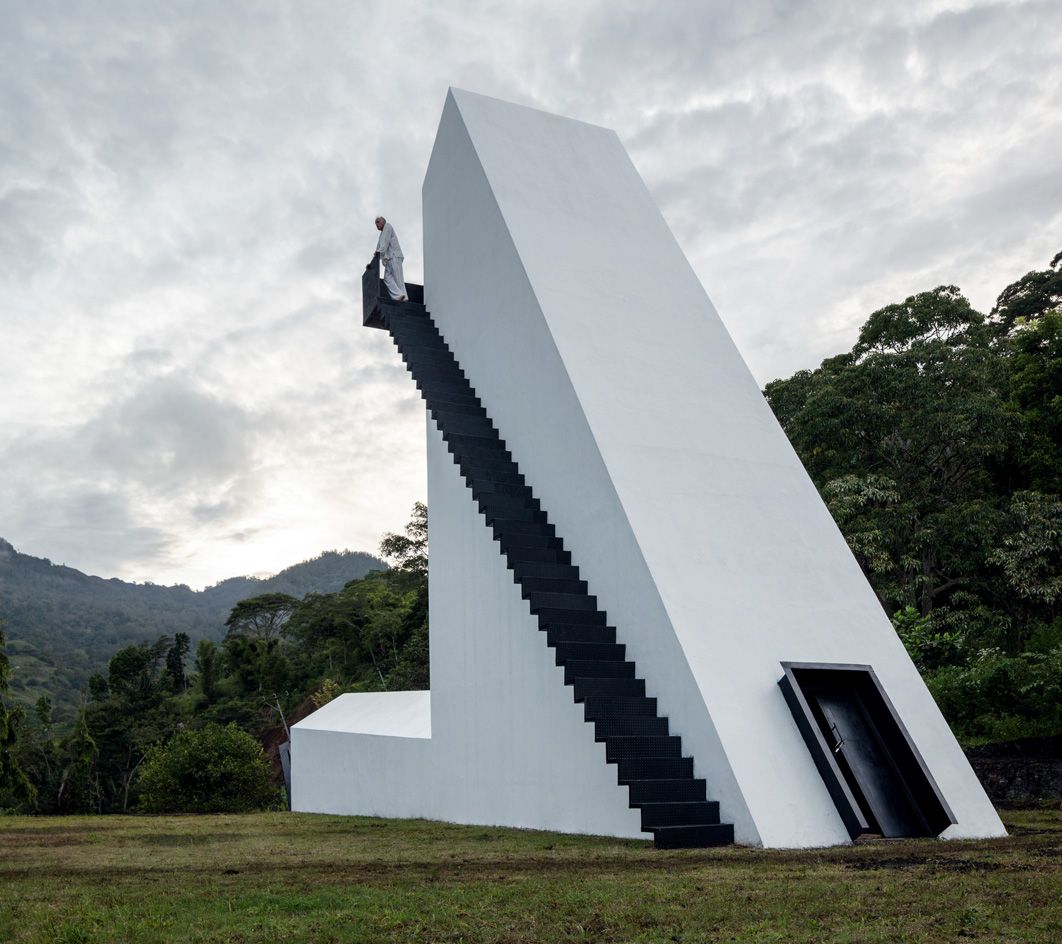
[[874, 778], [870, 765]]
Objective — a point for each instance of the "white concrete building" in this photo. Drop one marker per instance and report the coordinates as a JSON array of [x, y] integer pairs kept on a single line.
[[617, 425]]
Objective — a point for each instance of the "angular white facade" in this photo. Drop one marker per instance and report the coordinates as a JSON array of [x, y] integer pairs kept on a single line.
[[593, 347]]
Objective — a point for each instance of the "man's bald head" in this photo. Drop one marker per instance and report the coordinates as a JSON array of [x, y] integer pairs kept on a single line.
[[380, 222]]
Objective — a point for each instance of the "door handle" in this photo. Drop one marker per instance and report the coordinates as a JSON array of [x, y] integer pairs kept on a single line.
[[840, 740]]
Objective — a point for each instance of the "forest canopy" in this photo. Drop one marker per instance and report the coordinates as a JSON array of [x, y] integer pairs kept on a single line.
[[936, 442]]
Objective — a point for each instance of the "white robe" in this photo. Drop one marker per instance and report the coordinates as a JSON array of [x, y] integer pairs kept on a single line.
[[391, 254]]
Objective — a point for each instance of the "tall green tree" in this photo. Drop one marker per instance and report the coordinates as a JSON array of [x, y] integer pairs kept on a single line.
[[175, 662], [207, 668], [1030, 298], [133, 672], [262, 617], [79, 789], [14, 784], [259, 666], [409, 551], [126, 717], [1034, 354], [904, 436]]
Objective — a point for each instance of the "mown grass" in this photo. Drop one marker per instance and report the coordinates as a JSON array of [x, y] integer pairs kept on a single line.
[[298, 878]]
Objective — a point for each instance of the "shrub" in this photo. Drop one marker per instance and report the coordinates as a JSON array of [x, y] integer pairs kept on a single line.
[[213, 769], [1000, 697]]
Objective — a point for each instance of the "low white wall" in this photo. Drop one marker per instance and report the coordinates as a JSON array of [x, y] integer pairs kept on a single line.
[[360, 774]]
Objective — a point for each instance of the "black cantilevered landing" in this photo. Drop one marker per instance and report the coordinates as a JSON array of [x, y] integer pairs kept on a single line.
[[648, 758], [374, 294]]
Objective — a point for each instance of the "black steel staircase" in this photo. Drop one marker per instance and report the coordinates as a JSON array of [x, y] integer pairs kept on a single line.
[[649, 760]]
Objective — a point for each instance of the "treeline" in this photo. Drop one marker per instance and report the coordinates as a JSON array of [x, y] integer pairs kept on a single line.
[[150, 725], [937, 444]]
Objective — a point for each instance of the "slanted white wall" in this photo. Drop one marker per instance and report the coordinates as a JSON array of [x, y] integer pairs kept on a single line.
[[594, 348], [557, 283]]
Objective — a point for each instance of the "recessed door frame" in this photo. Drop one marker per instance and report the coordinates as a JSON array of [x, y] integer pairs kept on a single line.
[[798, 683]]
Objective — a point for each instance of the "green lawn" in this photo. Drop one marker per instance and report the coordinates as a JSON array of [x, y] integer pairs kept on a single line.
[[293, 878]]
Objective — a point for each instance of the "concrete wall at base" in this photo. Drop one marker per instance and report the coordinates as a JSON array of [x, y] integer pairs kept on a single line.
[[359, 774], [593, 346]]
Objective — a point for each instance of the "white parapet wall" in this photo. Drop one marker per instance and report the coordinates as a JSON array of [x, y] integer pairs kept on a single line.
[[594, 348], [356, 755]]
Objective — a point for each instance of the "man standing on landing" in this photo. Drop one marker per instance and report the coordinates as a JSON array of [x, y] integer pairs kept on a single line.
[[390, 252]]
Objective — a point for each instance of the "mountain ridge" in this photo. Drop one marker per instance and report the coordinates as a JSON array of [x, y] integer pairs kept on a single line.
[[63, 624]]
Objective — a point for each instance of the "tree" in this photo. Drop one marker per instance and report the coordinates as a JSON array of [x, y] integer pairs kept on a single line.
[[207, 668], [1031, 554], [1034, 352], [1032, 296], [79, 790], [258, 665], [260, 617], [99, 688], [13, 780], [133, 672], [213, 769], [410, 551], [175, 657], [905, 436], [132, 715]]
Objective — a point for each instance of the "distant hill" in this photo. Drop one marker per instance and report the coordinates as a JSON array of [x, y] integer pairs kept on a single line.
[[63, 625]]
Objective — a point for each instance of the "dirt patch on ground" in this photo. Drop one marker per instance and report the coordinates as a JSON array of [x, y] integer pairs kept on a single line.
[[43, 838], [187, 839], [939, 865]]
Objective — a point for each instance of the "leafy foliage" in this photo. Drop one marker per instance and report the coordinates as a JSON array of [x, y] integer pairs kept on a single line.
[[409, 551], [279, 655], [1030, 553], [260, 617], [1031, 298], [213, 769], [936, 442], [14, 784], [993, 696]]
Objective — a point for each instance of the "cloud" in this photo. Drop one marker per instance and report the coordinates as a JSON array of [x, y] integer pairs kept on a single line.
[[187, 194], [110, 488]]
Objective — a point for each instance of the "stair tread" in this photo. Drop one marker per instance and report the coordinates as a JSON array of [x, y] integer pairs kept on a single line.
[[576, 651], [653, 768], [561, 601], [605, 728], [676, 788], [693, 836], [578, 632], [552, 584]]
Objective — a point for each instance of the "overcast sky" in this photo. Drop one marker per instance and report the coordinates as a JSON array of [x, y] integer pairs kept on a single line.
[[187, 192]]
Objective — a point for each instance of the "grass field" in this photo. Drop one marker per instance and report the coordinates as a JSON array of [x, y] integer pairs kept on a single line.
[[295, 878]]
